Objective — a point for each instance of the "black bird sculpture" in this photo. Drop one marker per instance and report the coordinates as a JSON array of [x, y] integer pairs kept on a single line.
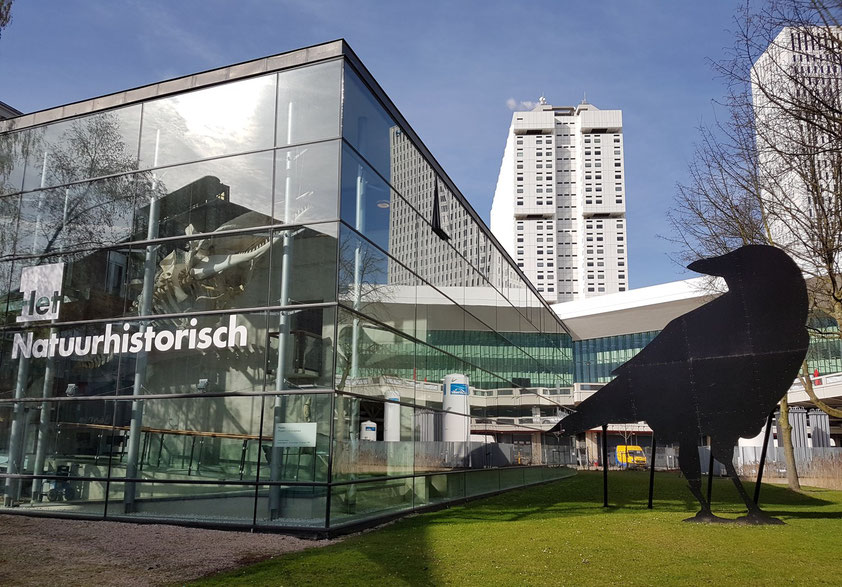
[[717, 370]]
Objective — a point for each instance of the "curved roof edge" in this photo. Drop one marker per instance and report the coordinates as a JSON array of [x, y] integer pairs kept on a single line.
[[636, 310]]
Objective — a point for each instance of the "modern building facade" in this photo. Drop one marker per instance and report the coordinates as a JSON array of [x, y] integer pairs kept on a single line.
[[251, 297], [560, 204]]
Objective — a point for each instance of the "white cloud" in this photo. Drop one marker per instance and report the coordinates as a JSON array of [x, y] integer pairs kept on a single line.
[[513, 104]]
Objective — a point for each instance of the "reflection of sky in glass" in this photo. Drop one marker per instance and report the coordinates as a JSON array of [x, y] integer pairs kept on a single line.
[[226, 119], [313, 173]]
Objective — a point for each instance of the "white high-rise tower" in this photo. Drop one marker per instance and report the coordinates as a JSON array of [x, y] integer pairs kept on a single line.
[[560, 203]]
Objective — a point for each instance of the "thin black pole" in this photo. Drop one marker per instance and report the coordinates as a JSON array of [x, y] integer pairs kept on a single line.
[[710, 472], [763, 456], [605, 465], [652, 473]]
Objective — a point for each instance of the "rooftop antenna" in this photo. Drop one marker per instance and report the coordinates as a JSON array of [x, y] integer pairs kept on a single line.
[[542, 100], [584, 97]]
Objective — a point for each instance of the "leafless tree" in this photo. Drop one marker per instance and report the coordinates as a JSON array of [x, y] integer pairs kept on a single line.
[[770, 170], [5, 14]]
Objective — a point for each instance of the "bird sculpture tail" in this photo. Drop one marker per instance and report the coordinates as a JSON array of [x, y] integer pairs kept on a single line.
[[611, 404]]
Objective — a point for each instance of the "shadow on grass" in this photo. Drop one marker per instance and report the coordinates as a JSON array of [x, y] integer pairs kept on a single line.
[[628, 492]]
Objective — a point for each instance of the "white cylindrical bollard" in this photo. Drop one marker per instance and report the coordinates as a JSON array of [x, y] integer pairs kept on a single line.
[[392, 417], [455, 403], [368, 430]]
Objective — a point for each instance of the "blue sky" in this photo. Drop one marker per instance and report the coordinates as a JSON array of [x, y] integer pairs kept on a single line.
[[450, 67]]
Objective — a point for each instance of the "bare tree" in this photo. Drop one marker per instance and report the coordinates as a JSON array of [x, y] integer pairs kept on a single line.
[[5, 14], [770, 171]]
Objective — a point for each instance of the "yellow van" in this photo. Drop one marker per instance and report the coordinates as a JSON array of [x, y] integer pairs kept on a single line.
[[630, 456]]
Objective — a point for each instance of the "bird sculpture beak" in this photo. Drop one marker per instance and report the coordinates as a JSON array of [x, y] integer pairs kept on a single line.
[[707, 266]]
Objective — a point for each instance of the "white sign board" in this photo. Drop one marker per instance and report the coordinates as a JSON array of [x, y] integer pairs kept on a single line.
[[41, 289], [295, 435]]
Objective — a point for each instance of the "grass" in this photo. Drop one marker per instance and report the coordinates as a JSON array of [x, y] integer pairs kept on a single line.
[[560, 534]]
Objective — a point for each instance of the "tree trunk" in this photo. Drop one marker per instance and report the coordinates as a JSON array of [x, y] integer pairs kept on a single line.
[[789, 451], [807, 382]]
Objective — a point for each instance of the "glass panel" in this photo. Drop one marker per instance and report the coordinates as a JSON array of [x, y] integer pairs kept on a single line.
[[366, 285], [229, 271], [82, 215], [90, 285], [479, 482], [312, 277], [82, 148], [74, 369], [439, 264], [230, 118], [373, 437], [403, 241], [60, 495], [219, 353], [223, 194], [436, 446], [295, 443], [197, 438], [432, 489], [209, 503], [68, 440], [298, 506], [360, 501], [366, 199], [366, 125], [411, 175], [308, 97], [306, 183], [14, 147], [369, 356], [11, 206], [510, 478], [307, 337]]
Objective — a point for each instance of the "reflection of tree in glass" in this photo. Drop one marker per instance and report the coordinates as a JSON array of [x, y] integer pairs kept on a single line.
[[13, 149], [82, 214], [363, 285]]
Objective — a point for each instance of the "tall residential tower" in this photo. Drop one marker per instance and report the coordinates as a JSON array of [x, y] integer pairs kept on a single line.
[[560, 203]]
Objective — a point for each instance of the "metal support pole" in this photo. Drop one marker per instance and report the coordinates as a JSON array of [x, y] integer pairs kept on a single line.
[[605, 465], [15, 463], [43, 425], [652, 474], [279, 404], [710, 473], [763, 456], [141, 363]]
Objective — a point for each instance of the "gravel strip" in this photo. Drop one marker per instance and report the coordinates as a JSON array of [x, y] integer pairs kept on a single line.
[[49, 551]]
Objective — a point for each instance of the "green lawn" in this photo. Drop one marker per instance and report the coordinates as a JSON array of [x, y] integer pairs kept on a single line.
[[559, 534]]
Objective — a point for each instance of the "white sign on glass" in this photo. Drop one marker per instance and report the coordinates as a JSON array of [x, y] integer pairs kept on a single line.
[[295, 435]]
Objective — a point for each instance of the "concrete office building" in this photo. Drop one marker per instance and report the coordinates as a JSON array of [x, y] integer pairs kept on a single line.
[[560, 204], [793, 82], [259, 303]]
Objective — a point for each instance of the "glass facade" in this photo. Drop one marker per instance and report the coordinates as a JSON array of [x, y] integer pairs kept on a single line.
[[596, 358], [260, 303]]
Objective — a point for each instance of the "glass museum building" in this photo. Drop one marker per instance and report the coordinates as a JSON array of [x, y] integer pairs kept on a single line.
[[250, 297]]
